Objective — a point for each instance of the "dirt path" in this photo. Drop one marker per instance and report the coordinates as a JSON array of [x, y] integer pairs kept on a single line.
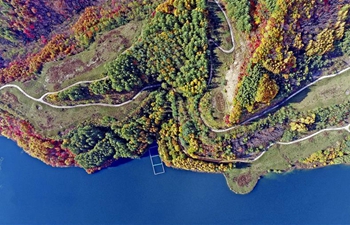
[[231, 31], [41, 99], [346, 127], [278, 105], [218, 46], [66, 88]]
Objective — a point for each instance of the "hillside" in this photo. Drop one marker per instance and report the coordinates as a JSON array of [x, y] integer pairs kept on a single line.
[[242, 88]]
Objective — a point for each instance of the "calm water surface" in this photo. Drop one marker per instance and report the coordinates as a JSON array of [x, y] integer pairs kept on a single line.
[[33, 193]]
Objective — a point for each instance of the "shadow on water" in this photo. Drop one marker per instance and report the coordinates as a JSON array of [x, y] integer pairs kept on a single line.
[[152, 147], [120, 162]]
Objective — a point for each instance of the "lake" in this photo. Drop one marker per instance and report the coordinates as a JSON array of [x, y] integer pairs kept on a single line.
[[34, 193]]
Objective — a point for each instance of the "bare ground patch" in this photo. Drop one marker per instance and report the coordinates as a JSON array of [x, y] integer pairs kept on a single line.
[[9, 97], [233, 73], [102, 51], [64, 71], [243, 180], [219, 102], [86, 65]]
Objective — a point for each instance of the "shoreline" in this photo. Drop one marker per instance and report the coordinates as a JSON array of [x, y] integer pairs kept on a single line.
[[264, 175]]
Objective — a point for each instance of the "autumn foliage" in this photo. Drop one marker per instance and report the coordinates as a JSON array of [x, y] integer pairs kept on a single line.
[[290, 40], [267, 89], [36, 24], [27, 68], [47, 150], [32, 19]]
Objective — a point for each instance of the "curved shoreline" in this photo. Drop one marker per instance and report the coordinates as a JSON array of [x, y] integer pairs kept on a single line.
[[41, 100], [252, 185]]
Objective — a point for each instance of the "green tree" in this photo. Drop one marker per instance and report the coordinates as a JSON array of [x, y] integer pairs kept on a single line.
[[124, 73], [345, 43], [83, 139], [240, 11], [249, 86]]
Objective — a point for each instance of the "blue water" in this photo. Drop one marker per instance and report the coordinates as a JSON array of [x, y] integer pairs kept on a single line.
[[33, 193]]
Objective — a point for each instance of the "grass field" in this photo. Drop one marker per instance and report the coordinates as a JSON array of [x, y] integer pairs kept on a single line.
[[221, 64], [50, 122], [271, 160], [222, 31], [225, 60], [87, 65], [325, 93], [305, 148], [214, 114], [279, 158]]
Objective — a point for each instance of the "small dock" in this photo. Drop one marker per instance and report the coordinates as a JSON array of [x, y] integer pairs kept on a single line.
[[157, 164]]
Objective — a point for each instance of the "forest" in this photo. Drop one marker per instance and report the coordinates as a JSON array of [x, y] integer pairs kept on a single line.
[[173, 51], [288, 44], [26, 43]]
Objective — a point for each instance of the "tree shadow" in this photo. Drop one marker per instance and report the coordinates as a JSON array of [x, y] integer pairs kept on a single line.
[[215, 22], [120, 162], [242, 165], [215, 64], [264, 113], [298, 98]]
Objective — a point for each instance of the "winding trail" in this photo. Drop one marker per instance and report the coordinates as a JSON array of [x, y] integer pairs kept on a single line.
[[278, 105], [41, 99], [231, 31], [347, 127], [218, 46], [232, 160], [72, 85]]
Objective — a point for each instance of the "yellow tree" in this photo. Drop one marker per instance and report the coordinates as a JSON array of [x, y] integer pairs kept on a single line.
[[267, 90]]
